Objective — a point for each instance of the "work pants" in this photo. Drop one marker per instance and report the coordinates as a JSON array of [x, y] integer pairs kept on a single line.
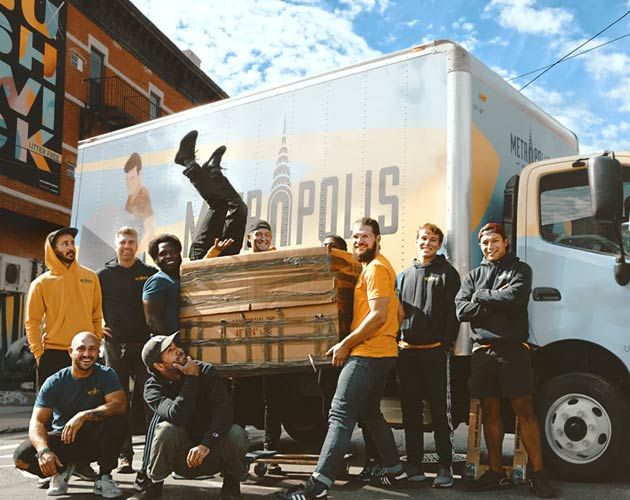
[[423, 374]]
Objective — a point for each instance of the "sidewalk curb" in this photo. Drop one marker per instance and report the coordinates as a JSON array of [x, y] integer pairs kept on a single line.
[[14, 430], [17, 398]]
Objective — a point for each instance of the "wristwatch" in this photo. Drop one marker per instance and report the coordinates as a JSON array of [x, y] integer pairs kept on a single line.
[[41, 453]]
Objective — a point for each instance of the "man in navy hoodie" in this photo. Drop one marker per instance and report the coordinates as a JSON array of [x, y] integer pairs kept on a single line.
[[493, 298], [125, 329], [427, 292]]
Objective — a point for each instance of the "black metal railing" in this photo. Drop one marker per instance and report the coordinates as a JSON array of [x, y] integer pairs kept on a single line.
[[112, 95]]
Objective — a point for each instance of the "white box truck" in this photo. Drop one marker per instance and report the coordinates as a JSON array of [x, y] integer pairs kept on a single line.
[[425, 134]]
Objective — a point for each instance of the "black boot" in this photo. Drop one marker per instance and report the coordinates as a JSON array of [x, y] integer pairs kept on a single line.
[[186, 151], [213, 164]]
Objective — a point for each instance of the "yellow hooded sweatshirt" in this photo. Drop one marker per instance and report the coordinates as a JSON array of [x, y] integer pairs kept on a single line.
[[69, 298]]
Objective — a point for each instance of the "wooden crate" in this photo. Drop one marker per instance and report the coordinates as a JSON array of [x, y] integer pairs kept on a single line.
[[269, 311]]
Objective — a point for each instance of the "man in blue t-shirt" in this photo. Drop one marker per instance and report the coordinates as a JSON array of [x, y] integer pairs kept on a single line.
[[160, 295], [86, 405]]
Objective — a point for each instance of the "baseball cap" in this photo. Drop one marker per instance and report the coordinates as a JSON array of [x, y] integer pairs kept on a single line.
[[52, 237], [259, 224], [154, 347], [492, 227]]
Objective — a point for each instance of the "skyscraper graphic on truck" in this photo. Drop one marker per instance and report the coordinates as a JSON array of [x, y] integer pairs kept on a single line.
[[281, 200]]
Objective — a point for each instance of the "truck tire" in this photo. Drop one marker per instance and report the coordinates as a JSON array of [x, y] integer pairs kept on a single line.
[[302, 414], [307, 432], [582, 425]]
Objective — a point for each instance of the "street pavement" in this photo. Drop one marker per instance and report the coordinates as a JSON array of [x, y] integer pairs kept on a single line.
[[16, 486]]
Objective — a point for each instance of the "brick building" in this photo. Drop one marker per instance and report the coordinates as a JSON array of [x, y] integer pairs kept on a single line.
[[68, 71]]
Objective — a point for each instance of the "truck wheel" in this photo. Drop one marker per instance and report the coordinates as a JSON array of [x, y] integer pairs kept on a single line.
[[582, 418], [313, 431]]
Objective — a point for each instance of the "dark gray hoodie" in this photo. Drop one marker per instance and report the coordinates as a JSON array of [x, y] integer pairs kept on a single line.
[[493, 298]]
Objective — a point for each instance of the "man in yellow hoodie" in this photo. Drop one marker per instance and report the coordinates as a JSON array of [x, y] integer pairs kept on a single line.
[[61, 302]]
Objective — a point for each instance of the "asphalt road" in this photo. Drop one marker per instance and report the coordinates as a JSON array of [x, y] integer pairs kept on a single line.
[[15, 486]]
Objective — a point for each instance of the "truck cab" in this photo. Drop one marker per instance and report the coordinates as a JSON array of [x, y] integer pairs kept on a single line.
[[578, 311]]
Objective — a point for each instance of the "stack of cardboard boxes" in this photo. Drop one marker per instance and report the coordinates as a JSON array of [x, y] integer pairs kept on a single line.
[[271, 311]]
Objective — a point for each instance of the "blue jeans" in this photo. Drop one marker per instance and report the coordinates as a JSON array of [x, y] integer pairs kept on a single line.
[[358, 396]]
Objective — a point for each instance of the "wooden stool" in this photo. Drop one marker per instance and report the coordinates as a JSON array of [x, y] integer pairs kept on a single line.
[[517, 471]]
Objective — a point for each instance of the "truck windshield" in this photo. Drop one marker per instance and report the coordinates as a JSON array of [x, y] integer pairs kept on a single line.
[[565, 213]]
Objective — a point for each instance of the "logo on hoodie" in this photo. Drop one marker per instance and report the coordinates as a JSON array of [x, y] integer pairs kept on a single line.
[[86, 280]]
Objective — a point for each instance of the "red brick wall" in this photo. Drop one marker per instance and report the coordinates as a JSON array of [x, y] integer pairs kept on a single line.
[[24, 235]]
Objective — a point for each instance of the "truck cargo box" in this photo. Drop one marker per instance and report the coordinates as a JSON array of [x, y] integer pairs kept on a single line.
[[267, 311]]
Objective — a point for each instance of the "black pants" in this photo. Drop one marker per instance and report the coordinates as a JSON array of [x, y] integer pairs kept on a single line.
[[129, 365], [424, 374], [50, 363], [95, 442], [226, 216], [273, 388]]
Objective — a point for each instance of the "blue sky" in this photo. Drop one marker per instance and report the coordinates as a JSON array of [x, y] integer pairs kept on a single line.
[[247, 45]]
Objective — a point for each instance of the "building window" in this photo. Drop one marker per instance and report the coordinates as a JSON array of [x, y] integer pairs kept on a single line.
[[97, 63], [154, 106], [76, 61]]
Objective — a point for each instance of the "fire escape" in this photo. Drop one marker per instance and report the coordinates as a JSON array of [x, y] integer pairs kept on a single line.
[[114, 104]]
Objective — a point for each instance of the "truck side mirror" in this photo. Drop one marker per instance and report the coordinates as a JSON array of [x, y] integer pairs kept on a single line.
[[605, 181]]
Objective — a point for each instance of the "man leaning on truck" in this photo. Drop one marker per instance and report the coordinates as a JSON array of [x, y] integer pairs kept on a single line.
[[367, 355], [493, 298]]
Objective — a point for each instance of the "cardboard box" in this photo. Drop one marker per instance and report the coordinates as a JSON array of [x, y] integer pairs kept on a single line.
[[270, 311]]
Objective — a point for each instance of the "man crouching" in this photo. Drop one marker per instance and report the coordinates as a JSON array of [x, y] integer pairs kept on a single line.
[[195, 435], [86, 404]]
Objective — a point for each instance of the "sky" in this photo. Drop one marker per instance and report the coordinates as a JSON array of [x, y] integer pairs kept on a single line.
[[248, 45]]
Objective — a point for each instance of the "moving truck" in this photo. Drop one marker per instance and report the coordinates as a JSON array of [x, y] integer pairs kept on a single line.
[[425, 134]]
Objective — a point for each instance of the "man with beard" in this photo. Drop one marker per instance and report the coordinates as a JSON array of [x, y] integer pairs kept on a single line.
[[227, 212], [195, 435], [494, 298], [125, 329], [160, 294], [86, 406], [427, 292], [367, 356], [66, 299], [327, 381]]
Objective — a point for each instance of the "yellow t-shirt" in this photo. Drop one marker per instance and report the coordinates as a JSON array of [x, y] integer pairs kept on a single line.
[[377, 279]]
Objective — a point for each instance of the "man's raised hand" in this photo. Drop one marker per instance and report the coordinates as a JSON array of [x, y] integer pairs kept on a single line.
[[189, 368]]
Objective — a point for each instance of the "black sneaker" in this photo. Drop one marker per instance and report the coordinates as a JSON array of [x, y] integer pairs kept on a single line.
[[142, 481], [186, 151], [125, 466], [311, 490], [213, 165], [274, 469], [85, 472], [231, 489], [152, 490], [370, 468], [540, 486], [390, 479], [489, 480]]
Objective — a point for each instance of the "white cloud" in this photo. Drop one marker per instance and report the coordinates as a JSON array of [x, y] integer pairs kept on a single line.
[[412, 23], [620, 92], [497, 40], [525, 17], [356, 7], [245, 45], [465, 33]]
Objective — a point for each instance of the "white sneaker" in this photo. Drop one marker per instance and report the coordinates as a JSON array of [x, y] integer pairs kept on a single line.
[[43, 482], [59, 482], [106, 487]]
